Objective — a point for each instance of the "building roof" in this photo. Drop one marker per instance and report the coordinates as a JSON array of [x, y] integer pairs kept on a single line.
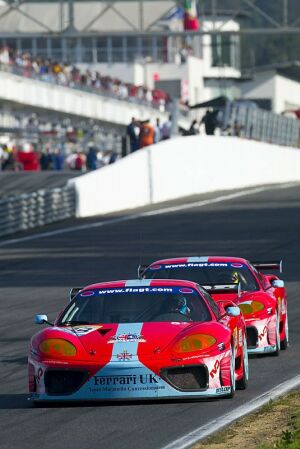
[[290, 69]]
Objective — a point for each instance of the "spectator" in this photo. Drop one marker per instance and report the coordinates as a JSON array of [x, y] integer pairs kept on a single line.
[[157, 131], [166, 129], [91, 159], [133, 133], [46, 160], [80, 162], [146, 134], [209, 121], [58, 160], [113, 157], [193, 129]]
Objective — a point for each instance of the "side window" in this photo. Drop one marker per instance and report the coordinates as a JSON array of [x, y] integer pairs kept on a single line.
[[214, 306], [259, 276]]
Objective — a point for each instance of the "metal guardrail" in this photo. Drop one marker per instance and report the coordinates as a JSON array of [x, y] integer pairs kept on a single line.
[[23, 212], [265, 126]]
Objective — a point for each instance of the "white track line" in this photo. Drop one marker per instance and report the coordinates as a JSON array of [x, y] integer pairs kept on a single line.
[[217, 424], [165, 210]]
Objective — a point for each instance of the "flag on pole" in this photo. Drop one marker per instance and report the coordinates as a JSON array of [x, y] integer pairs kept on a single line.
[[191, 21]]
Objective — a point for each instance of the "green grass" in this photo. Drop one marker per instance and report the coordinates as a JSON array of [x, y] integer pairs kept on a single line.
[[290, 439]]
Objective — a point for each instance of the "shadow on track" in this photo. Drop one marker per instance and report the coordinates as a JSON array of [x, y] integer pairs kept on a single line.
[[14, 401]]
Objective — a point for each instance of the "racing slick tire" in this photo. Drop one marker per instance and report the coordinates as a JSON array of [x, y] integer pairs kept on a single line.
[[277, 351], [242, 383], [285, 342]]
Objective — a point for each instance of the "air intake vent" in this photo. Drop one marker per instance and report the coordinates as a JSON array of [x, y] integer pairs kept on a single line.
[[191, 378], [252, 337], [61, 382]]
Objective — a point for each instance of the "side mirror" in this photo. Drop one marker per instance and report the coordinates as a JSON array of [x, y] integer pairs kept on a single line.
[[41, 319], [233, 311], [277, 283]]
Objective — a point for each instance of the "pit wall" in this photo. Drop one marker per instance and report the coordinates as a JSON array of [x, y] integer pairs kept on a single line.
[[181, 167]]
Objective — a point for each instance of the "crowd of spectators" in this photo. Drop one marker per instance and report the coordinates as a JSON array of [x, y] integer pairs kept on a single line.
[[144, 133], [69, 75], [19, 157]]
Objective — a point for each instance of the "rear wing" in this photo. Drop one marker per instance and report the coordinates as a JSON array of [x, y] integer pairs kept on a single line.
[[270, 265], [141, 270], [74, 291], [222, 288]]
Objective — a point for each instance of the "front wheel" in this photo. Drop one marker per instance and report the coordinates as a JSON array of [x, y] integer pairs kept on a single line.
[[277, 351], [232, 372], [242, 383], [285, 342]]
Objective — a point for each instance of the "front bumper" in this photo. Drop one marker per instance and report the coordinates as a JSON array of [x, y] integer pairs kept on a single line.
[[130, 381], [261, 335]]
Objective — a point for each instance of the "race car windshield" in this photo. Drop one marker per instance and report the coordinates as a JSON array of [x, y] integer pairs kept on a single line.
[[136, 305], [204, 273]]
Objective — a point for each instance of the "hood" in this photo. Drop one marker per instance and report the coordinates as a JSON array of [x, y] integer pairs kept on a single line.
[[124, 342]]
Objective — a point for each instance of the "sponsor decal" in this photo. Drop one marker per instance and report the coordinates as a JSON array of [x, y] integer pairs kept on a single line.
[[215, 369], [156, 267], [39, 375], [223, 390], [263, 333], [197, 265], [88, 293], [186, 290], [116, 291], [127, 379], [237, 265], [124, 356], [128, 338]]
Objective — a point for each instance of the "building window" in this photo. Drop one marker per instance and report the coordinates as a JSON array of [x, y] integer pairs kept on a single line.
[[221, 51]]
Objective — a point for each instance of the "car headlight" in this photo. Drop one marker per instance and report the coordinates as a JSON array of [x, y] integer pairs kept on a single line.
[[250, 307], [196, 342], [57, 347]]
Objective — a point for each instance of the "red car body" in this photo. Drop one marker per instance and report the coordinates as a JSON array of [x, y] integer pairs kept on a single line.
[[157, 353], [262, 297]]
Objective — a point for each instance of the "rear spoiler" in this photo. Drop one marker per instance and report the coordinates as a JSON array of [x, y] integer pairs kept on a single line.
[[74, 291], [222, 288], [270, 265], [141, 270]]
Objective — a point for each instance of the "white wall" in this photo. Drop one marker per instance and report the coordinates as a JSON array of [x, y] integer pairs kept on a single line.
[[287, 94], [283, 92], [181, 167], [51, 97]]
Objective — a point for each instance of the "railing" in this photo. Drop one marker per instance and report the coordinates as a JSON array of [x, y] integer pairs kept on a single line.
[[24, 212], [265, 126], [101, 91]]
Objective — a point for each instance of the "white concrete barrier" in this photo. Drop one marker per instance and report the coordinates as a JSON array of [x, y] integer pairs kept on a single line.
[[181, 167]]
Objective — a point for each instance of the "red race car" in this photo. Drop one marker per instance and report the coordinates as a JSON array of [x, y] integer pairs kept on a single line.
[[261, 297], [139, 339]]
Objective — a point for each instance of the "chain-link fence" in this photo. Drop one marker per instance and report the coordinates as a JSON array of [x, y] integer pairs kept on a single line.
[[23, 212]]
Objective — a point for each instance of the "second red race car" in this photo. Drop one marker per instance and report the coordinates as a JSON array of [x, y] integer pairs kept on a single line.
[[140, 339], [261, 297]]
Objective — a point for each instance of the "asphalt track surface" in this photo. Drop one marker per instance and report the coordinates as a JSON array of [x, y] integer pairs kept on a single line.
[[35, 277]]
